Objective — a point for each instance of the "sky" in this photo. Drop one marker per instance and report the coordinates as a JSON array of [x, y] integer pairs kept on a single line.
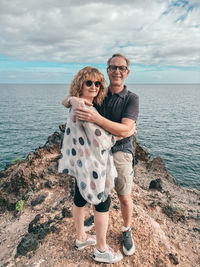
[[48, 41]]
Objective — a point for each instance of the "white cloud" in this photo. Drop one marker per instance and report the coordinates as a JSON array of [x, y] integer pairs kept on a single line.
[[148, 32]]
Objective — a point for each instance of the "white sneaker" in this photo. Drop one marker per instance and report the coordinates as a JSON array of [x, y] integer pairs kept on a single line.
[[108, 256], [90, 241]]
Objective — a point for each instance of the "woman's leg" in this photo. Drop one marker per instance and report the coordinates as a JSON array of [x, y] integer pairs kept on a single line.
[[101, 226], [78, 215], [78, 212], [101, 216]]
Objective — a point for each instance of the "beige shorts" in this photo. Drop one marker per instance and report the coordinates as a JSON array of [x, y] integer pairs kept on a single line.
[[123, 163]]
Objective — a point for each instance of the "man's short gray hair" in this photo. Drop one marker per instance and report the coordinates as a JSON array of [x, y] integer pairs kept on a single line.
[[119, 55]]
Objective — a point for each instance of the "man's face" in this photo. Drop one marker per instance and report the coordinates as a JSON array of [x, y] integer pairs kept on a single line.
[[117, 77]]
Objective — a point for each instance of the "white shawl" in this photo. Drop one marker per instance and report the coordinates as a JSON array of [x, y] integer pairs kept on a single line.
[[86, 155]]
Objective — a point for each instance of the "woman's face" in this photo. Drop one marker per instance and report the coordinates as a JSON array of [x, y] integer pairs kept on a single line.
[[90, 89]]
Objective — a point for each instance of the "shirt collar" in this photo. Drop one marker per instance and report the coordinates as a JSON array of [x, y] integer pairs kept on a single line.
[[121, 94]]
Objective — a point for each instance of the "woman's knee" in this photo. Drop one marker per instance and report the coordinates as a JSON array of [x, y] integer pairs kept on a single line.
[[103, 206]]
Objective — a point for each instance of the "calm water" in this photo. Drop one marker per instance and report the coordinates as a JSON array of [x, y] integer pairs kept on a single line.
[[168, 125]]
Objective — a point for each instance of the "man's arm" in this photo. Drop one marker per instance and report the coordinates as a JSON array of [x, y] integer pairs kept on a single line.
[[124, 129]]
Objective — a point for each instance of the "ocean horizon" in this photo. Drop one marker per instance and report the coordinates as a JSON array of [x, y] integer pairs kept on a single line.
[[168, 123]]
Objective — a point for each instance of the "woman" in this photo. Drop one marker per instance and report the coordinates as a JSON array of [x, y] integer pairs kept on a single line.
[[86, 156]]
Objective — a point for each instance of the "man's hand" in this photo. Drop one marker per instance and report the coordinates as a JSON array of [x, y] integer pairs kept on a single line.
[[75, 102], [133, 131]]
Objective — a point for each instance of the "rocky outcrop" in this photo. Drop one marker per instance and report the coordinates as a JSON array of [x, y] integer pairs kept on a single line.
[[40, 232]]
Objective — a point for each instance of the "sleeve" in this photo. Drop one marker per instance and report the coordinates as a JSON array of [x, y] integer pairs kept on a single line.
[[131, 110]]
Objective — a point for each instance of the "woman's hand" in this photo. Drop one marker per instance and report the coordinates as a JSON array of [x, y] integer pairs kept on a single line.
[[86, 114], [75, 102]]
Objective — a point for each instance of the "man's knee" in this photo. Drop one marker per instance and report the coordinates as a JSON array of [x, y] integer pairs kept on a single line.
[[125, 200]]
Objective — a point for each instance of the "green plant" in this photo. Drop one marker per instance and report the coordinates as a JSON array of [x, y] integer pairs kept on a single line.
[[16, 160], [180, 211], [19, 205]]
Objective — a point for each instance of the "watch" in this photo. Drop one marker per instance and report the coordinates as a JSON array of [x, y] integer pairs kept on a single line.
[[69, 99]]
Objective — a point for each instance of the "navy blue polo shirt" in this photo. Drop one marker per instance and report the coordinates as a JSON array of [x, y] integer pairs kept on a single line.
[[124, 104]]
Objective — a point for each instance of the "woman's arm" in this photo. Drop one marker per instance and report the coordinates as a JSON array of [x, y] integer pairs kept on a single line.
[[75, 102], [124, 129]]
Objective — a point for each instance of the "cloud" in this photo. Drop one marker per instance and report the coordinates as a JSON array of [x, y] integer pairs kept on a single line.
[[148, 32]]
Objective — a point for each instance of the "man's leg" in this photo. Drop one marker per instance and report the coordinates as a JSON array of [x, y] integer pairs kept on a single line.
[[126, 206], [123, 187]]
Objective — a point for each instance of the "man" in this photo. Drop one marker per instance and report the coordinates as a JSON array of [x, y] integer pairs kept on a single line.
[[117, 115]]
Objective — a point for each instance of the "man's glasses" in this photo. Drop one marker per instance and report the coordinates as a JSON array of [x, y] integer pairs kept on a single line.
[[89, 83], [114, 68]]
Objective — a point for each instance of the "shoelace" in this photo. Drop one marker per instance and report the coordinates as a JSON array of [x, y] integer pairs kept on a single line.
[[127, 238]]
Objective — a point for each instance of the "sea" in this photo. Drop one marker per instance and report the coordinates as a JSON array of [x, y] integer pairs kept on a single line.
[[168, 123]]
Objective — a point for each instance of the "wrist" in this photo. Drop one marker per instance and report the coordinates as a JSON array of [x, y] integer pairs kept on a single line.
[[69, 100]]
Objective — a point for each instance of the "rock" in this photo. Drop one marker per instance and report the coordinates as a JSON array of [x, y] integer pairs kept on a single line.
[[33, 223], [5, 264], [141, 154], [27, 244], [39, 199], [173, 259], [66, 213], [174, 213], [164, 222], [156, 184], [196, 229], [62, 128]]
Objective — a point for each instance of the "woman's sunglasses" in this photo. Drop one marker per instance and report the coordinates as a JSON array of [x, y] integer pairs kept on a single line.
[[89, 83]]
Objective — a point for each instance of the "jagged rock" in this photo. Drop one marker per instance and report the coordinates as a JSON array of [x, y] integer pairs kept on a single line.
[[174, 213], [196, 229], [62, 128], [156, 184], [27, 244], [141, 154], [5, 264], [66, 213], [173, 258], [164, 221], [39, 199]]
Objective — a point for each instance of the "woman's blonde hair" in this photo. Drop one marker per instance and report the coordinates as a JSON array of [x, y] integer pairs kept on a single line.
[[88, 73]]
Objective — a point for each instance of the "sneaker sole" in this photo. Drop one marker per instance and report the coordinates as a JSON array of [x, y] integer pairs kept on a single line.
[[128, 252], [106, 261], [82, 247]]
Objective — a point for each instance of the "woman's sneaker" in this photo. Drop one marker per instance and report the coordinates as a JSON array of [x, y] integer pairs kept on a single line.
[[90, 241], [128, 243], [108, 256], [89, 223]]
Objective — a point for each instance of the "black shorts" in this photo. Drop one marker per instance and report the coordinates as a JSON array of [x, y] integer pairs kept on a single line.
[[79, 201]]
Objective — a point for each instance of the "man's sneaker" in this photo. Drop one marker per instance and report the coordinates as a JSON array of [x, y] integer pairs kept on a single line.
[[108, 256], [89, 223], [128, 243], [90, 241]]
